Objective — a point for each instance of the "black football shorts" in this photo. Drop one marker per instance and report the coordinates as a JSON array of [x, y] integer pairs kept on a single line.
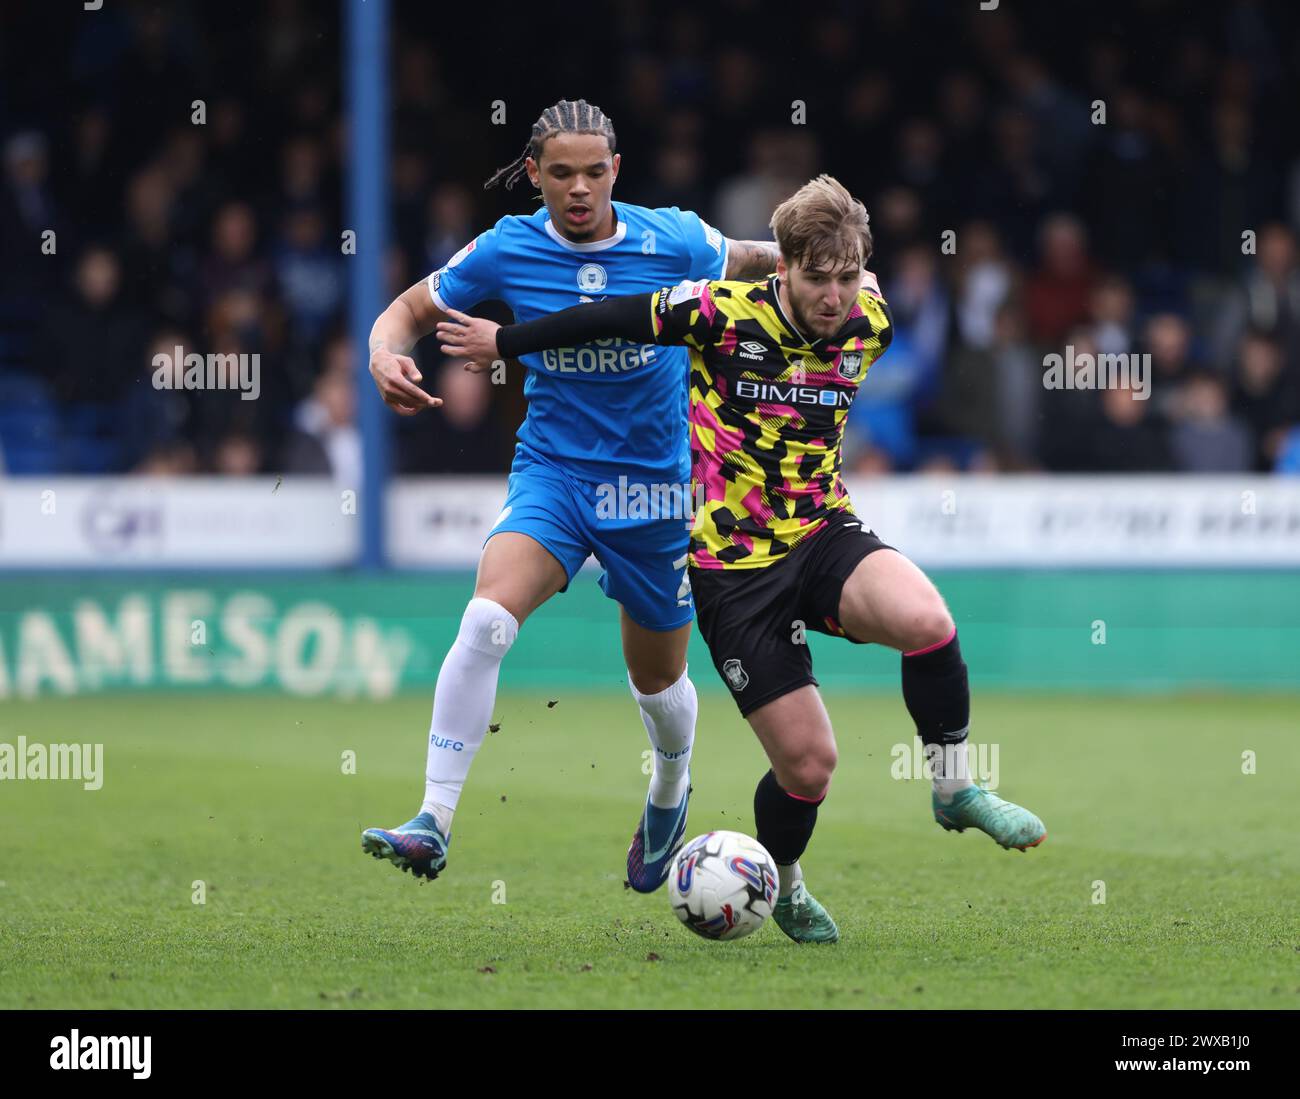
[[753, 620]]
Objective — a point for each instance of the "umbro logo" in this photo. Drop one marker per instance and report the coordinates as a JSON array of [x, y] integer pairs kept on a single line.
[[752, 349]]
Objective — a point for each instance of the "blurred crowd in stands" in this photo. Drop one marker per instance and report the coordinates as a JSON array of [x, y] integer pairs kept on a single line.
[[1012, 220]]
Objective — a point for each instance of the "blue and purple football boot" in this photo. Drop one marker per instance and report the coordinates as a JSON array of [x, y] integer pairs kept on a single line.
[[658, 838], [418, 846]]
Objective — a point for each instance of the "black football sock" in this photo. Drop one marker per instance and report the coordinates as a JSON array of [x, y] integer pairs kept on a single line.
[[937, 694], [785, 824]]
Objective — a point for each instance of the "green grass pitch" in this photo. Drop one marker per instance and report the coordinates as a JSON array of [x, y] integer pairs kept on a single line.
[[248, 795]]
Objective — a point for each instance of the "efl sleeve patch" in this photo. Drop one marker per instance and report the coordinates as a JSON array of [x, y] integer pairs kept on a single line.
[[461, 254], [685, 291]]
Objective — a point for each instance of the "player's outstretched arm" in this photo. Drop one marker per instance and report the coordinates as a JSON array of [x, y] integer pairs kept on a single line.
[[749, 260], [399, 328], [482, 341]]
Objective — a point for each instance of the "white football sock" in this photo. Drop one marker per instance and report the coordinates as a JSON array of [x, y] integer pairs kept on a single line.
[[949, 769], [462, 703], [669, 719], [787, 877]]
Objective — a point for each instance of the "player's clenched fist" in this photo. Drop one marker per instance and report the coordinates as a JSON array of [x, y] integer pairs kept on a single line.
[[472, 338], [396, 376]]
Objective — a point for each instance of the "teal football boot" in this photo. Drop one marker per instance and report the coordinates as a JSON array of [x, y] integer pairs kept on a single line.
[[802, 917], [974, 807]]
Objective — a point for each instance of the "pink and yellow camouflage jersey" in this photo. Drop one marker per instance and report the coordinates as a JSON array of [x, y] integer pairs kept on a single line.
[[767, 414]]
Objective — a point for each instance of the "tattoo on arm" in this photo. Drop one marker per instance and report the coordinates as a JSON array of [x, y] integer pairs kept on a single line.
[[751, 259]]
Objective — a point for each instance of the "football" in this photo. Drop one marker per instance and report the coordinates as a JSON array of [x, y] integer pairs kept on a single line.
[[723, 885]]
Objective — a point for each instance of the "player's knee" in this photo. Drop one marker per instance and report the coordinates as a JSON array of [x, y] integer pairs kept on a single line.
[[487, 627], [500, 596], [653, 681], [929, 624], [809, 774]]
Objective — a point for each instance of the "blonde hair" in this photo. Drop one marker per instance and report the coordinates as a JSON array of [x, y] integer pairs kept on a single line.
[[821, 224]]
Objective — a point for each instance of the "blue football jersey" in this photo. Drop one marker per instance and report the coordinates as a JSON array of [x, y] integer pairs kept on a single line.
[[610, 407]]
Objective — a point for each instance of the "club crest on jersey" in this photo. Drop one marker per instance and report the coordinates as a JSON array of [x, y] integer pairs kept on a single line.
[[850, 365], [592, 278], [736, 674]]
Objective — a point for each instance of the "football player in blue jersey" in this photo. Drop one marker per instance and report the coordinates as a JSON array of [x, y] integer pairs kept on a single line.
[[604, 433]]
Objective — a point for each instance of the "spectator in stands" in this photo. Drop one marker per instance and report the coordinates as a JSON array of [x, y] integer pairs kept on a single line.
[[781, 161], [237, 455], [1130, 438], [883, 415], [27, 210], [1061, 125], [184, 164], [27, 169], [156, 418], [174, 459], [462, 436], [1013, 188], [677, 179], [866, 106], [919, 166], [1167, 338], [156, 274], [1124, 184], [1057, 295], [1070, 417], [1123, 236], [1288, 458], [896, 222], [309, 271], [864, 459], [302, 173], [1204, 437], [409, 180], [1017, 378], [963, 112], [920, 304], [1111, 310], [983, 283], [221, 411], [449, 224], [1265, 395], [94, 345], [325, 439], [234, 263], [1229, 186], [1269, 300]]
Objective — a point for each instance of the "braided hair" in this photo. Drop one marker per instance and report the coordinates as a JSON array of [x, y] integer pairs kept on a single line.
[[568, 116]]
